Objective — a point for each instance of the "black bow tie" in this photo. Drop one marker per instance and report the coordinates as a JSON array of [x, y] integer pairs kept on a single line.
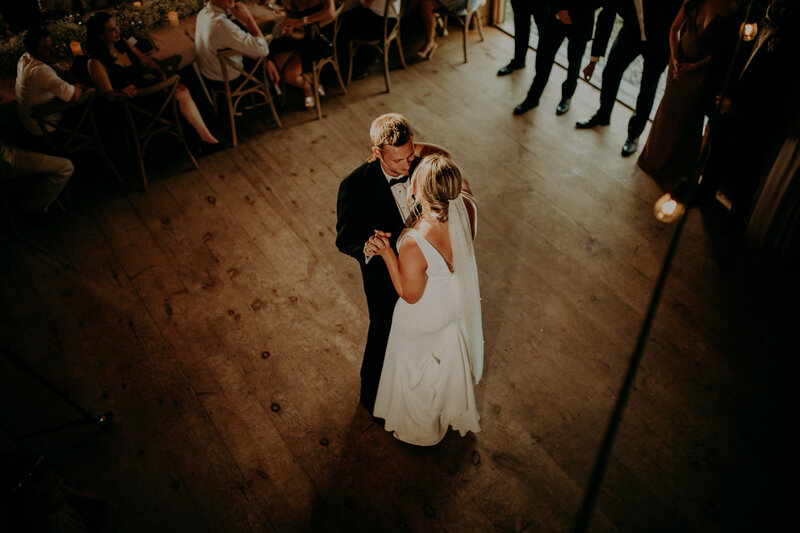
[[395, 181]]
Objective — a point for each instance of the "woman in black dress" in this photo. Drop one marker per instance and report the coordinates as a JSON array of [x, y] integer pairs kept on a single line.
[[116, 70]]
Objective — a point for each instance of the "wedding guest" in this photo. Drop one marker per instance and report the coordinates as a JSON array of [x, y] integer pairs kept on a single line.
[[645, 33], [41, 177], [116, 68], [214, 32], [573, 20], [299, 46], [523, 9], [435, 346], [427, 8], [745, 137], [37, 80], [365, 23], [701, 39]]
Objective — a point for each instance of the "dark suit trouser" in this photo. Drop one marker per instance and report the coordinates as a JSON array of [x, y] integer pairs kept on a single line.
[[523, 9], [380, 303], [626, 48], [549, 42]]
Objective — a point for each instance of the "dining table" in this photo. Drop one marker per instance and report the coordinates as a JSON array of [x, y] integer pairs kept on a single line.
[[167, 40]]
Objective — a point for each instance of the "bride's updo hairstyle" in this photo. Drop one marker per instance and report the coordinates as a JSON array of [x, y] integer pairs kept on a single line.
[[438, 180]]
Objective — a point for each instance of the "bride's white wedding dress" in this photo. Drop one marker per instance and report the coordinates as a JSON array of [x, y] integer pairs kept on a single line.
[[435, 346]]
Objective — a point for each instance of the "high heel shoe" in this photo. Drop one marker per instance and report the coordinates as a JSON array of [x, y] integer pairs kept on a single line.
[[321, 91], [309, 102], [429, 54]]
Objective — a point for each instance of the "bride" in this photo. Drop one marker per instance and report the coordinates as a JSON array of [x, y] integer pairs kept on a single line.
[[435, 347]]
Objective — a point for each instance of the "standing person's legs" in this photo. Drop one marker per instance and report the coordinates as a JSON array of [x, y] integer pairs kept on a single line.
[[623, 52], [549, 44], [522, 30], [575, 49], [51, 175], [655, 62]]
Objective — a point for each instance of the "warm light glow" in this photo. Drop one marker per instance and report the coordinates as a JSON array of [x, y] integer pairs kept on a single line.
[[667, 209], [173, 18], [137, 4], [75, 46], [749, 31]]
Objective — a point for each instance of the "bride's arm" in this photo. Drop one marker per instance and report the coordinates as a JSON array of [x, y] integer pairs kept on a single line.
[[408, 271]]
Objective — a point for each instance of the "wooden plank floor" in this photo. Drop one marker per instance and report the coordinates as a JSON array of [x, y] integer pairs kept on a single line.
[[214, 316]]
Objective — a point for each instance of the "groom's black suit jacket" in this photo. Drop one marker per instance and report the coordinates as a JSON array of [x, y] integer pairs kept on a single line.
[[365, 203]]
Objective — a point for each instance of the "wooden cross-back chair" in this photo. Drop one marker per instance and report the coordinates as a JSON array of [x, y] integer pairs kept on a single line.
[[252, 81], [391, 34], [332, 61], [149, 121], [74, 135], [465, 17]]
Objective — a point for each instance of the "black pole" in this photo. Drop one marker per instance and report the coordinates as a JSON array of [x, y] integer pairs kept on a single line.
[[603, 455], [88, 418]]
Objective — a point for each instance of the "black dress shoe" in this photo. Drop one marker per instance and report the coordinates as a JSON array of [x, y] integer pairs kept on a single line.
[[526, 105], [592, 122], [563, 107], [629, 147], [511, 67]]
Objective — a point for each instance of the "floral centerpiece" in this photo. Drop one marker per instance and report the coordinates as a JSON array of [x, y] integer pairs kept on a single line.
[[132, 21]]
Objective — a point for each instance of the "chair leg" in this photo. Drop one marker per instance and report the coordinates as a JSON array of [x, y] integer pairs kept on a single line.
[[339, 74], [386, 66], [139, 154], [274, 111], [102, 149], [350, 66], [202, 83], [400, 51], [180, 134], [232, 115], [315, 89], [466, 33], [480, 24]]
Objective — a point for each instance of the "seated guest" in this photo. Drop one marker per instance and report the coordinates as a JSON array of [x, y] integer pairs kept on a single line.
[[365, 23], [37, 81], [45, 176], [294, 51], [116, 68], [427, 8], [215, 32]]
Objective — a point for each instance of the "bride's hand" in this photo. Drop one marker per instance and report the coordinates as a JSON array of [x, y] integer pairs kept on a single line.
[[380, 243]]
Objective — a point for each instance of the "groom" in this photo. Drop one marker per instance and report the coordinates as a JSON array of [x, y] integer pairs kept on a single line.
[[373, 197]]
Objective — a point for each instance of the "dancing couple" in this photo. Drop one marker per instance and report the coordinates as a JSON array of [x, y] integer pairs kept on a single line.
[[425, 340]]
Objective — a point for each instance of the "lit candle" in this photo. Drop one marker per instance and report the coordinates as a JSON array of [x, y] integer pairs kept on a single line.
[[749, 31], [75, 46], [137, 4], [667, 209], [173, 18]]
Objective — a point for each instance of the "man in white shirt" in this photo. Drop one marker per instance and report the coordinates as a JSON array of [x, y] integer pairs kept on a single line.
[[37, 81], [215, 32]]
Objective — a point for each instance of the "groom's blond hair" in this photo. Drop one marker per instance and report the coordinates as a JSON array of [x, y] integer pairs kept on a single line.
[[390, 129]]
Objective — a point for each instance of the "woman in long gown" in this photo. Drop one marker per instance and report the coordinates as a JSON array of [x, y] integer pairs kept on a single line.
[[435, 347], [700, 40]]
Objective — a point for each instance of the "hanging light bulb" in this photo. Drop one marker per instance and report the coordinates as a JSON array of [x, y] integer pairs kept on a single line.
[[748, 31], [667, 209]]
